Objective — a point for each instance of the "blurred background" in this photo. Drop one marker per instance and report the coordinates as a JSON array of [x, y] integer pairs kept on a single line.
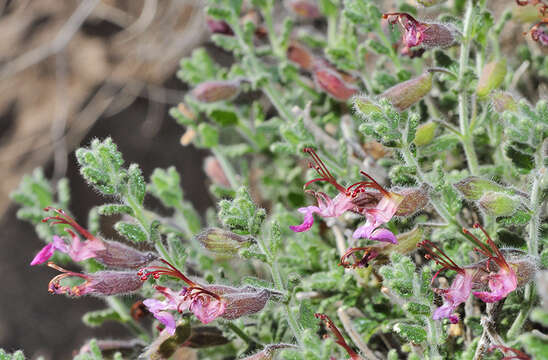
[[70, 71]]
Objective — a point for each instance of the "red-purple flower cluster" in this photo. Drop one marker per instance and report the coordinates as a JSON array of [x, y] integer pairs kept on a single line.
[[206, 302], [501, 278]]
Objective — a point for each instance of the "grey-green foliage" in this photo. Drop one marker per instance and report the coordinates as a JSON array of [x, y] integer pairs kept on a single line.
[[35, 192], [240, 214]]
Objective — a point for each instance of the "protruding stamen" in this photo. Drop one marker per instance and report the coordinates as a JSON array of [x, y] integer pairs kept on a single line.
[[495, 251], [322, 170], [368, 255], [63, 218], [54, 284], [157, 271], [439, 256], [339, 339]]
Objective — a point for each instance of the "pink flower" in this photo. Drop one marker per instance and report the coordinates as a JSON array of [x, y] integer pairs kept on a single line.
[[378, 206], [382, 213], [206, 302], [504, 281], [110, 253], [76, 249], [501, 283], [425, 35], [459, 290]]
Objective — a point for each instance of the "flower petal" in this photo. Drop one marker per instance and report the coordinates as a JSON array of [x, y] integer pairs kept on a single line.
[[308, 218], [168, 320], [384, 235], [44, 255]]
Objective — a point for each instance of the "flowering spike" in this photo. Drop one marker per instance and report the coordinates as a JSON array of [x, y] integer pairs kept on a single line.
[[339, 339]]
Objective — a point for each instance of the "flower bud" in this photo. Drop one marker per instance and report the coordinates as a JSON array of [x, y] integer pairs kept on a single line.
[[306, 9], [333, 83], [491, 77], [414, 199], [300, 55], [425, 133], [364, 107], [503, 101], [223, 242], [268, 352], [499, 204], [121, 256], [242, 301], [218, 90], [473, 187], [409, 92], [206, 336], [218, 26], [215, 172], [101, 283]]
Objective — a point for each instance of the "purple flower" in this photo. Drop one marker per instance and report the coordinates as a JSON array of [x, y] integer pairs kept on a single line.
[[110, 253], [78, 250], [504, 281], [377, 216], [501, 283], [206, 302], [459, 290], [378, 206]]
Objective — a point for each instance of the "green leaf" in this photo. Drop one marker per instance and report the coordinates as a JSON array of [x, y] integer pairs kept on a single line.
[[415, 334], [224, 117], [136, 184], [131, 231], [440, 144], [540, 315], [209, 135], [199, 67], [98, 317], [306, 316], [114, 209], [535, 346]]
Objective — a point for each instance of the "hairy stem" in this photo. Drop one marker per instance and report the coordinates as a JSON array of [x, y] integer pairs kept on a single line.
[[532, 245], [465, 129]]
